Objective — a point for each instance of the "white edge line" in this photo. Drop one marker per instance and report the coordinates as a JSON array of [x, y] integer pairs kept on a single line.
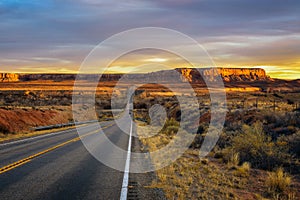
[[124, 190]]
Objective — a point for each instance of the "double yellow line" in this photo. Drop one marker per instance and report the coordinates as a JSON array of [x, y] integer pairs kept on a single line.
[[28, 159]]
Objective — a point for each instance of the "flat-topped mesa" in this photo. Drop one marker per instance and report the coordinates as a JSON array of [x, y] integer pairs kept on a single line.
[[227, 74], [9, 77], [191, 75], [72, 77]]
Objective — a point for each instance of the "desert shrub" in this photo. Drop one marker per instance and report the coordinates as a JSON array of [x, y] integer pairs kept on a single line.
[[225, 139], [170, 127], [197, 142], [293, 142], [279, 184], [233, 125], [234, 159], [256, 147], [243, 170], [283, 119], [4, 130], [171, 122], [174, 112], [141, 104], [171, 130]]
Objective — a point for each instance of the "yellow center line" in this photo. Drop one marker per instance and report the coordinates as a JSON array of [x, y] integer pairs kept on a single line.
[[29, 158]]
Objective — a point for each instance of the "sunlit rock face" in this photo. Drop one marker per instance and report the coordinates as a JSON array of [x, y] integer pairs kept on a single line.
[[191, 75], [7, 77], [241, 74], [227, 74], [186, 75]]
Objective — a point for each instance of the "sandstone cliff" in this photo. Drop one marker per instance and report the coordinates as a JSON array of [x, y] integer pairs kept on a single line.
[[194, 75], [178, 75], [7, 77], [227, 74], [62, 77]]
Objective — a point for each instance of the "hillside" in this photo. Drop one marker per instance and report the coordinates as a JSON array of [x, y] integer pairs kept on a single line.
[[22, 119]]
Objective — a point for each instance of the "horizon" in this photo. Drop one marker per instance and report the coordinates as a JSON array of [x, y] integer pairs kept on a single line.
[[139, 72]]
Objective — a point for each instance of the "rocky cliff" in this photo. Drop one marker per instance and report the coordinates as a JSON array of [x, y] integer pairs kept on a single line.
[[10, 77], [62, 77], [181, 74], [227, 74], [7, 77]]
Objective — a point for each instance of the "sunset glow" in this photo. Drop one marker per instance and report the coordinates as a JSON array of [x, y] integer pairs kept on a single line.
[[158, 60], [56, 36]]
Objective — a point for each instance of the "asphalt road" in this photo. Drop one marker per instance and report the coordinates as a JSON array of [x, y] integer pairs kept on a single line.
[[58, 166]]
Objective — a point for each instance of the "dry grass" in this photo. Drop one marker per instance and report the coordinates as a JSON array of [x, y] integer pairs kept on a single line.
[[256, 146], [279, 185], [192, 178], [189, 178], [234, 159], [243, 170]]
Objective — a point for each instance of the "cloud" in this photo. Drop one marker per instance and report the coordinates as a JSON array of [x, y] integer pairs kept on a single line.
[[249, 32], [274, 50]]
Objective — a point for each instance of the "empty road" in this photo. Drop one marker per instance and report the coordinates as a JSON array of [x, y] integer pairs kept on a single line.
[[58, 166]]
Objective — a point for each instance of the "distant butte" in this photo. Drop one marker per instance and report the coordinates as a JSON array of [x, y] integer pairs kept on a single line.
[[227, 74], [188, 75], [235, 79], [8, 77]]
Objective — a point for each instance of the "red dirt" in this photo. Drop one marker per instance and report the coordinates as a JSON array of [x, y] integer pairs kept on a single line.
[[20, 120]]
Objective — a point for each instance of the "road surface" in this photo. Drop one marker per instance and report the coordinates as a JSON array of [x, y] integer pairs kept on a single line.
[[58, 166]]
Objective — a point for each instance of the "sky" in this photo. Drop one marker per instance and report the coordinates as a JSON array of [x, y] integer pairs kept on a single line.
[[55, 36]]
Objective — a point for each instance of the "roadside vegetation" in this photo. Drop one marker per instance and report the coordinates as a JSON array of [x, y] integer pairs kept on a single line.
[[256, 157]]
